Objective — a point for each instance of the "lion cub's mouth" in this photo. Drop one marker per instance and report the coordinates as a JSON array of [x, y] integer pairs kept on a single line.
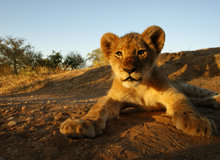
[[131, 82], [131, 79]]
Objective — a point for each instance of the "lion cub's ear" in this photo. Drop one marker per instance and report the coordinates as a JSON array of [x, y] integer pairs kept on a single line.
[[106, 43], [154, 36]]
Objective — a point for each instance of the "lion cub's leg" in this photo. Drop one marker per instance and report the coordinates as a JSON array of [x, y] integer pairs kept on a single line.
[[94, 121], [185, 116]]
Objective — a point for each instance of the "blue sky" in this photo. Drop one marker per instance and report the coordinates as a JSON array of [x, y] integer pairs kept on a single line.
[[77, 25]]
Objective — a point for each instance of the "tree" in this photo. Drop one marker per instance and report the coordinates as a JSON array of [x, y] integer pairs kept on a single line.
[[97, 58], [74, 60], [34, 59], [13, 50], [54, 60]]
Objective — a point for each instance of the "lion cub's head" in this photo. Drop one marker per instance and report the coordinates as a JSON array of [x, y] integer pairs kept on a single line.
[[133, 55]]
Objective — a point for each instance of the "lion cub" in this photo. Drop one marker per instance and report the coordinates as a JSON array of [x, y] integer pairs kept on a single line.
[[138, 81]]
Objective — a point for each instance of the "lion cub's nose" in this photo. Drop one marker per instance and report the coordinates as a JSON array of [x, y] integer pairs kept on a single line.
[[129, 70]]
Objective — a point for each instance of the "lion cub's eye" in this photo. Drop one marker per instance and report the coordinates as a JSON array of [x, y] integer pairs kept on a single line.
[[118, 54], [141, 52]]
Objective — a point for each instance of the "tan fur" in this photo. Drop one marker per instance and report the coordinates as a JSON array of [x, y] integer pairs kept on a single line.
[[138, 81]]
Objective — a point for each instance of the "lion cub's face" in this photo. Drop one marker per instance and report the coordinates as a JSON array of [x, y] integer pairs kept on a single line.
[[133, 55]]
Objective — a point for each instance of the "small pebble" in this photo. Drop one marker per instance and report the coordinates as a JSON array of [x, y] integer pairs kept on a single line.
[[11, 123], [10, 118], [32, 111], [23, 108], [28, 119], [57, 116]]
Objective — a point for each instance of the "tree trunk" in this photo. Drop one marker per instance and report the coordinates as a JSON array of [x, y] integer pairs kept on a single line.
[[15, 66]]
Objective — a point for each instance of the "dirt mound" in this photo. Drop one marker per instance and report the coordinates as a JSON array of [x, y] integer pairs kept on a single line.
[[188, 65], [29, 122]]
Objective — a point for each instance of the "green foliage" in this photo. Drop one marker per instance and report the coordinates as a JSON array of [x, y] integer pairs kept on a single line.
[[74, 61], [34, 60], [12, 52], [97, 58], [54, 60]]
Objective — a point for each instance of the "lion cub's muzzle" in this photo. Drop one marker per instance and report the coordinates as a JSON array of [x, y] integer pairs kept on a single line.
[[130, 77], [130, 73]]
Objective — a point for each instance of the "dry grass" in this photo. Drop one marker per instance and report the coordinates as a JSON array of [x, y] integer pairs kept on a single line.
[[28, 80]]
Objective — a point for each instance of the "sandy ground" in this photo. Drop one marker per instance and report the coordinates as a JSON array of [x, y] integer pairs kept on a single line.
[[29, 121]]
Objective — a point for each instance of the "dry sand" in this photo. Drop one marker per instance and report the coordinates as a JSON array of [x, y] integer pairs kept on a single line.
[[29, 122]]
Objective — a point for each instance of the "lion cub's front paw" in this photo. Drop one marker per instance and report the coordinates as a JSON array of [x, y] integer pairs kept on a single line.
[[78, 128], [194, 124]]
